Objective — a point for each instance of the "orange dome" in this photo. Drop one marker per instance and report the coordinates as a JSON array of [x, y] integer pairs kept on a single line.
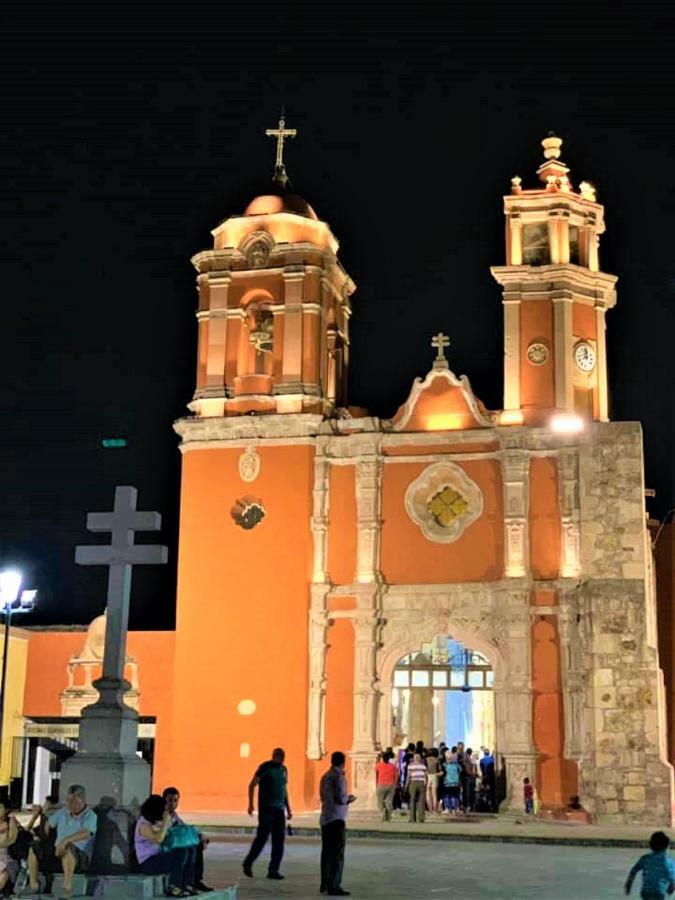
[[267, 204]]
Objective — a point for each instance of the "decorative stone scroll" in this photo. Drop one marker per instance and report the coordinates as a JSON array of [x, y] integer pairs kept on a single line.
[[443, 501]]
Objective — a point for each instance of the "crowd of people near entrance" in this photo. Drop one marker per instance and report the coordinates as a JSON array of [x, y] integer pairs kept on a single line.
[[450, 780]]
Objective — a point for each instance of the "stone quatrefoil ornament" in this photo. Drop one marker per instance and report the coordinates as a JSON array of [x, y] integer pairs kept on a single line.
[[443, 501]]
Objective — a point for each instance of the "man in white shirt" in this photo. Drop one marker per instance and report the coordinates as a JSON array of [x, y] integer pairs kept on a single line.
[[335, 801]]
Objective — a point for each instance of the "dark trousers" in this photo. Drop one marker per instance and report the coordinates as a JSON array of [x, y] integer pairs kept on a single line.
[[333, 840], [178, 864], [199, 863], [270, 821]]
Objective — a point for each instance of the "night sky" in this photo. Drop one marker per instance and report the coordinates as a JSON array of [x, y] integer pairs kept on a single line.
[[124, 139]]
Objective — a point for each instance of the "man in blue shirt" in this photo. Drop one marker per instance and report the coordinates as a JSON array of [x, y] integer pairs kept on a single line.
[[75, 826], [658, 870]]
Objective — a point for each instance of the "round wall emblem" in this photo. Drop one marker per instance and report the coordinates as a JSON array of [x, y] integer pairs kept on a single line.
[[537, 353], [249, 464]]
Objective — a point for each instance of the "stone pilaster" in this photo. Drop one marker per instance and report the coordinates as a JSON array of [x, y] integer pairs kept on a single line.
[[320, 506], [568, 492], [217, 330], [367, 626], [515, 471], [563, 346], [513, 700], [294, 277], [368, 486], [318, 644]]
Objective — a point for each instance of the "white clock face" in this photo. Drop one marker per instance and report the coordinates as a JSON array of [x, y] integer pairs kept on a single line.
[[584, 356]]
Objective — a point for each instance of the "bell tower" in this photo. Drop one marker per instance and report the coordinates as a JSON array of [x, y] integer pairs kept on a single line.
[[555, 298], [273, 309]]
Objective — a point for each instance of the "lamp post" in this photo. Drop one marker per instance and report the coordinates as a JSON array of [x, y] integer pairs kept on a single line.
[[12, 600]]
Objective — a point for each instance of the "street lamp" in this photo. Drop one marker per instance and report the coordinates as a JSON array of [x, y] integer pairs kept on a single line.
[[12, 600]]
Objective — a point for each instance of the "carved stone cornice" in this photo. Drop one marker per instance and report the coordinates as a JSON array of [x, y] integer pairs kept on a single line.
[[232, 428]]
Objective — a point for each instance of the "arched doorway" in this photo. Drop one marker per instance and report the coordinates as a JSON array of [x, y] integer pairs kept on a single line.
[[443, 693]]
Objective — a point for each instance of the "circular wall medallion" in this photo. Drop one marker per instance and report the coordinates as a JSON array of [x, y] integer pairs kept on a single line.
[[443, 501], [537, 353], [249, 464], [584, 356]]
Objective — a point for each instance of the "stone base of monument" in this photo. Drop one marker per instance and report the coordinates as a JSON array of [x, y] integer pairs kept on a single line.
[[127, 887]]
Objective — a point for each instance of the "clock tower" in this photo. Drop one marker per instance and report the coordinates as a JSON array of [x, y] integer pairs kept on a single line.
[[555, 298]]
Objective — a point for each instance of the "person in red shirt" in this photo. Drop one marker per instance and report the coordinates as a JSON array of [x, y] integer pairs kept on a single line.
[[528, 796], [386, 776]]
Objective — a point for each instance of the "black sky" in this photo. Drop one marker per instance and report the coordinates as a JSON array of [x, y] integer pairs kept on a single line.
[[127, 133]]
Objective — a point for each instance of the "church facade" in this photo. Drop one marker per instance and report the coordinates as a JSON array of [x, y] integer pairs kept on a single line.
[[328, 559]]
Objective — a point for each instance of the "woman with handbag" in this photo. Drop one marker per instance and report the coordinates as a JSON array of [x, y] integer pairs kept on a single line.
[[165, 850]]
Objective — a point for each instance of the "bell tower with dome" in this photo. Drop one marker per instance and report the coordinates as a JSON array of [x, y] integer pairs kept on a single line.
[[273, 310]]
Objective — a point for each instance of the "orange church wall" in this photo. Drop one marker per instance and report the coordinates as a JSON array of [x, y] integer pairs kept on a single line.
[[341, 524], [311, 287], [584, 323], [241, 628], [340, 686], [557, 778], [545, 529], [50, 651], [407, 557], [537, 383]]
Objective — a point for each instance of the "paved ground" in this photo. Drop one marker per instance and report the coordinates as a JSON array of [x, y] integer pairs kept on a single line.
[[432, 869], [472, 827]]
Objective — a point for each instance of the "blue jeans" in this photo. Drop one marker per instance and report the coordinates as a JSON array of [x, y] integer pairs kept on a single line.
[[178, 864], [529, 807]]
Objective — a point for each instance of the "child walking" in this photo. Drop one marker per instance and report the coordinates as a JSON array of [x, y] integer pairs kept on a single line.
[[658, 870], [528, 796]]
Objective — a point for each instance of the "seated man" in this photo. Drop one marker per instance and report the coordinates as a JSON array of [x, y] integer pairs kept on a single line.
[[172, 798], [75, 826]]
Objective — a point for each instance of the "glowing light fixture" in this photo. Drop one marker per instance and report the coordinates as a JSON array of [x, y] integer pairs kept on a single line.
[[12, 600], [566, 423], [511, 417]]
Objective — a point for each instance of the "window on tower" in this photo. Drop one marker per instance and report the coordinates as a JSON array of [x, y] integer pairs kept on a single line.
[[536, 249]]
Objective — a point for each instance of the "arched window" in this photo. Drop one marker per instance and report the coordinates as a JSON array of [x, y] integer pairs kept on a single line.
[[258, 339]]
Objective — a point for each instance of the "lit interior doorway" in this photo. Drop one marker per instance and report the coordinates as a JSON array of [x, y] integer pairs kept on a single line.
[[443, 693]]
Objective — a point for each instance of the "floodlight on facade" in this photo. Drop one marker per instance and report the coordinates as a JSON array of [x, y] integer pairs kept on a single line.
[[566, 423]]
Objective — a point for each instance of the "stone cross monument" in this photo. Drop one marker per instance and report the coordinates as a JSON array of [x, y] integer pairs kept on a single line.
[[106, 762]]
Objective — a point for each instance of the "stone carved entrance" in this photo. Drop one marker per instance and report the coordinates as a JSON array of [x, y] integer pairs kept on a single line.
[[493, 619]]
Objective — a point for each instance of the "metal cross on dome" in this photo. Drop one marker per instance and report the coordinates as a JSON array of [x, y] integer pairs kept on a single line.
[[281, 133], [439, 342], [120, 555]]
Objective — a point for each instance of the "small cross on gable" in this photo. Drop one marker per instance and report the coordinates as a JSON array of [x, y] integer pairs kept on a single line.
[[439, 342]]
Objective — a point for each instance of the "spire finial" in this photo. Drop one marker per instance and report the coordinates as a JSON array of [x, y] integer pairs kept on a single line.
[[439, 342], [281, 133], [553, 171]]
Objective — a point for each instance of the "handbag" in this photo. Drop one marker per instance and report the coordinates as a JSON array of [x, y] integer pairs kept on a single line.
[[179, 836]]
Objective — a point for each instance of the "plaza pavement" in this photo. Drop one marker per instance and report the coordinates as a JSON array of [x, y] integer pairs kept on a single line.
[[376, 869], [493, 829]]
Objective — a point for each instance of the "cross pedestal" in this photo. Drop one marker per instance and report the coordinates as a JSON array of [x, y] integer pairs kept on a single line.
[[106, 764]]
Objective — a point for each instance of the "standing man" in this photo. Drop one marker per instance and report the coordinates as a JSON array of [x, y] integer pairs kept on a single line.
[[273, 805], [334, 805], [416, 783], [385, 778]]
